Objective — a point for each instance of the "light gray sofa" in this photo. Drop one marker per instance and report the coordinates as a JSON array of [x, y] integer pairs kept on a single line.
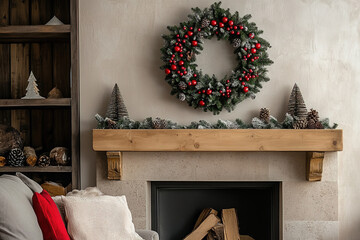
[[148, 234], [17, 217]]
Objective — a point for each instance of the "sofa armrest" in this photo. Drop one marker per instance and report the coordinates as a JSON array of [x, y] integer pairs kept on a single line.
[[148, 234]]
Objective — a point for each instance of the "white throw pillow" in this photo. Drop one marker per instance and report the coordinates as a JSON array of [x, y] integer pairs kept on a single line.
[[102, 217]]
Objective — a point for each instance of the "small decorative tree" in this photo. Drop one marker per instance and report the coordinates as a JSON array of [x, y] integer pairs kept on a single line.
[[296, 106], [116, 109], [32, 91]]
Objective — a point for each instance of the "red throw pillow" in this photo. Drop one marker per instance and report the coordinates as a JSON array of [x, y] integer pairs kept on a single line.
[[49, 218]]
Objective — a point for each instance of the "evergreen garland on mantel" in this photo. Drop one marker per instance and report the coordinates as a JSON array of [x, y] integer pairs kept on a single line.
[[150, 123]]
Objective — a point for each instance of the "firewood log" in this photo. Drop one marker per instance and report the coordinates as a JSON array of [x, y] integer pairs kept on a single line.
[[30, 156], [202, 230], [218, 231], [204, 214], [2, 161], [60, 156], [230, 221], [9, 139]]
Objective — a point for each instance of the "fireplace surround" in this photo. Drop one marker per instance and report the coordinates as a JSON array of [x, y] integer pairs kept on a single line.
[[309, 209], [175, 206]]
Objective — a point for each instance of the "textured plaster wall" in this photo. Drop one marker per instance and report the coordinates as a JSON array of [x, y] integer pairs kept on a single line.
[[316, 43]]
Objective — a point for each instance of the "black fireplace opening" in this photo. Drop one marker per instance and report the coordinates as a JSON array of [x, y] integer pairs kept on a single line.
[[175, 206]]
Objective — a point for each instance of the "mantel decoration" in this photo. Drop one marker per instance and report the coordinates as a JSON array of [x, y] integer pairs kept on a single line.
[[297, 117], [200, 90], [204, 136]]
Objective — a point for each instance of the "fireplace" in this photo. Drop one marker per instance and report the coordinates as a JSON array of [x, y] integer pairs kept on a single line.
[[175, 206]]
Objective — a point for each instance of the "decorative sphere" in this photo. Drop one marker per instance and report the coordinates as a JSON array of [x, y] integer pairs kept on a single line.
[[224, 19], [246, 89], [201, 103], [173, 67], [258, 45], [221, 25], [181, 62], [193, 82], [251, 35], [253, 50], [177, 49], [231, 22], [213, 22], [208, 92], [190, 33], [167, 71], [194, 43]]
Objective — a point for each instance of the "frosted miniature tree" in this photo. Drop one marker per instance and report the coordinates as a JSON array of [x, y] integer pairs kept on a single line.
[[116, 109], [32, 91]]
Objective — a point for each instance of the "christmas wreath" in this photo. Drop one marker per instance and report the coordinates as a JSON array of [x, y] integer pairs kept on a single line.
[[200, 90]]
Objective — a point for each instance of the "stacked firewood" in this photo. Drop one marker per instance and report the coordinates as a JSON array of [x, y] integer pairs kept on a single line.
[[209, 226]]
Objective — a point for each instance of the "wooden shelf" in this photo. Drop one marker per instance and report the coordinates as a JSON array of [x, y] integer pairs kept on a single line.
[[217, 140], [25, 103], [36, 169], [34, 33], [313, 141]]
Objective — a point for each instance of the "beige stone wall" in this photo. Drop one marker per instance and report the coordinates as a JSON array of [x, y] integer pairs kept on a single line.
[[315, 43]]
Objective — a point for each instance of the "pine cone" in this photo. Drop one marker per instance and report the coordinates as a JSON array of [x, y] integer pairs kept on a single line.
[[159, 123], [43, 161], [313, 115], [110, 124], [200, 34], [16, 157], [236, 43], [182, 85], [264, 115], [312, 124], [189, 55], [300, 123], [205, 23], [182, 97]]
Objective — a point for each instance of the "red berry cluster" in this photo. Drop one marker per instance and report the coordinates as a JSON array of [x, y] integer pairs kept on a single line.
[[251, 53], [230, 26], [178, 66]]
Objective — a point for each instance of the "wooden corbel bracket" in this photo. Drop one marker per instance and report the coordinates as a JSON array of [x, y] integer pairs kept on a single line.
[[114, 160], [314, 166]]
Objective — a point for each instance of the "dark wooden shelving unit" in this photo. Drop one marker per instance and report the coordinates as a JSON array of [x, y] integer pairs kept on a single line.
[[51, 53], [34, 33], [28, 103], [50, 169]]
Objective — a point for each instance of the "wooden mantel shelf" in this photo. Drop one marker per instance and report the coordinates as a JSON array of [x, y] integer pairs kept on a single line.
[[314, 142]]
